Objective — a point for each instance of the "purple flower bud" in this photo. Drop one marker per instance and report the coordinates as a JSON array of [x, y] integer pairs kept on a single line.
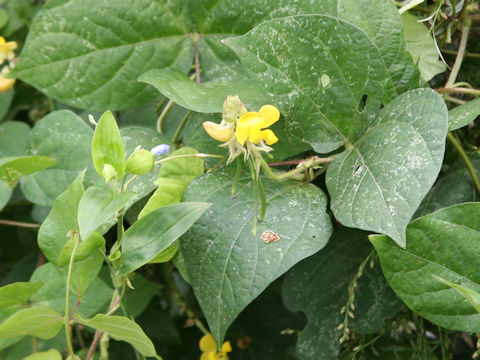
[[160, 149]]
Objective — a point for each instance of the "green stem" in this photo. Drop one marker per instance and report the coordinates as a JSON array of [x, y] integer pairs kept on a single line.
[[459, 90], [68, 329], [263, 198], [255, 195], [181, 126], [466, 160], [460, 55], [163, 115], [467, 54]]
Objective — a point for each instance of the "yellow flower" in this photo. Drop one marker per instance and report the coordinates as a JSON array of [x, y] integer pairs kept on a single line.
[[210, 351], [6, 50], [252, 126]]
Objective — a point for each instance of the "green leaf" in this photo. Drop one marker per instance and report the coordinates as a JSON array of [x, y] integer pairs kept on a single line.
[[17, 293], [5, 193], [40, 322], [94, 242], [137, 299], [422, 48], [156, 231], [107, 147], [319, 287], [455, 186], [378, 183], [65, 137], [99, 206], [173, 178], [52, 235], [5, 101], [326, 117], [91, 59], [166, 255], [227, 264], [14, 167], [52, 293], [122, 329], [51, 354], [206, 97], [443, 244], [14, 137], [463, 115], [472, 296]]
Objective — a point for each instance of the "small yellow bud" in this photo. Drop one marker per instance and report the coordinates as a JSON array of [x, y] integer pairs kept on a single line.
[[221, 132], [5, 82], [140, 162]]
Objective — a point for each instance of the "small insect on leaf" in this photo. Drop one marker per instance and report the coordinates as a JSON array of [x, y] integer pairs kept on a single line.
[[269, 236]]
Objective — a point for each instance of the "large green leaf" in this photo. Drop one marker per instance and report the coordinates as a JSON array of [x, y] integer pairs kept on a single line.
[[156, 231], [99, 206], [227, 264], [17, 293], [444, 245], [463, 115], [320, 103], [207, 97], [123, 329], [13, 138], [65, 137], [91, 59], [44, 323], [319, 286], [14, 167], [422, 48], [378, 183]]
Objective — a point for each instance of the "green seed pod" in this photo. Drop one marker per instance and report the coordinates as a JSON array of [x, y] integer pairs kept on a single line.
[[140, 162]]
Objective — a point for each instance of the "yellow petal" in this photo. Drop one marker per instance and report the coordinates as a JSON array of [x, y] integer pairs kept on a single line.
[[255, 134], [2, 40], [244, 125], [204, 356], [226, 347], [269, 137], [218, 132], [269, 114], [6, 84], [207, 344]]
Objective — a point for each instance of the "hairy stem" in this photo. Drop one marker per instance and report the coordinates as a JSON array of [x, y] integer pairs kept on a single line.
[[460, 55], [163, 115], [181, 126]]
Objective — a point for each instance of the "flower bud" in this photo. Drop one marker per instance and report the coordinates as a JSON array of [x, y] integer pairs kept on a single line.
[[140, 162], [221, 132], [109, 173], [233, 109], [160, 149]]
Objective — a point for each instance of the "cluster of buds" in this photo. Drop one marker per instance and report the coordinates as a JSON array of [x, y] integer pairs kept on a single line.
[[244, 132], [7, 55]]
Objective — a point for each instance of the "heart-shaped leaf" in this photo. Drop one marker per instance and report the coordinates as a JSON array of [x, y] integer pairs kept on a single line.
[[227, 264], [379, 182], [443, 245], [68, 43]]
